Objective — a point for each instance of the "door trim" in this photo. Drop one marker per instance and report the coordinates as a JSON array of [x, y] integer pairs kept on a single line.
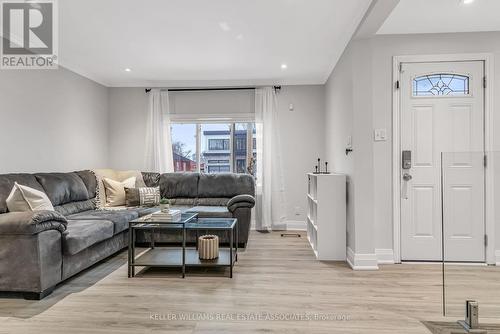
[[487, 58]]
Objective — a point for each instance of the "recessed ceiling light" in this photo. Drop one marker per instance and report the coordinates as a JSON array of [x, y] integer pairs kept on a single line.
[[467, 2], [224, 26], [284, 66], [128, 70]]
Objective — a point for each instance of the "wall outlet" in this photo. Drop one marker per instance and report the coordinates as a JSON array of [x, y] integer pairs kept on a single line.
[[298, 211], [380, 134]]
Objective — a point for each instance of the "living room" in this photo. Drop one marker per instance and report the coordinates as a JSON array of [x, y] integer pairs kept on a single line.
[[281, 166]]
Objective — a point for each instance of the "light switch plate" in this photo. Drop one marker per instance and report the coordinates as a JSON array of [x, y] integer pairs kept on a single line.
[[380, 134]]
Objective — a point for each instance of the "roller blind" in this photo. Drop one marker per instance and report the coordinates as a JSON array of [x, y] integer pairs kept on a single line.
[[223, 105]]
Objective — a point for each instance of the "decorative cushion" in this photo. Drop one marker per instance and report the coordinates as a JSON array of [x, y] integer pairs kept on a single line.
[[7, 182], [145, 196], [23, 198], [112, 174], [115, 190]]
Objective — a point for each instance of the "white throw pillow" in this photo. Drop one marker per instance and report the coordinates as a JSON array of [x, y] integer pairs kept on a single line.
[[115, 190], [23, 198]]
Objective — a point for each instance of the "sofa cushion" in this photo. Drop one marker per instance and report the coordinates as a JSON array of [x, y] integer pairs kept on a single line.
[[225, 185], [62, 188], [75, 207], [188, 202], [89, 179], [120, 218], [142, 211], [179, 185], [211, 201], [81, 234], [211, 212], [7, 182]]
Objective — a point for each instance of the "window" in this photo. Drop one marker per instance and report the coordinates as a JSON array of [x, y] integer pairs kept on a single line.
[[243, 150], [218, 144], [218, 169], [442, 84], [214, 147], [184, 147], [218, 161]]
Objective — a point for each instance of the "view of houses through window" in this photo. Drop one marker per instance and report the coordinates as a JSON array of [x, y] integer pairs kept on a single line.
[[214, 147]]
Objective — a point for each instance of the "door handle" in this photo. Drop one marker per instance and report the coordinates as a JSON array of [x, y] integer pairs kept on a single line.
[[404, 191]]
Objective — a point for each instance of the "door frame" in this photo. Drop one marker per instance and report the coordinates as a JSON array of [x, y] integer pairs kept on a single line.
[[487, 58]]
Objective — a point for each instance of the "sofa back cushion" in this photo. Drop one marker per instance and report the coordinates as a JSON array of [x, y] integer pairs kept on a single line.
[[88, 177], [225, 185], [179, 185], [7, 182], [62, 188]]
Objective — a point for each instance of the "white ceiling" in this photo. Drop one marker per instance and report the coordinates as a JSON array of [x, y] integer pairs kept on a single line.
[[442, 16], [205, 42]]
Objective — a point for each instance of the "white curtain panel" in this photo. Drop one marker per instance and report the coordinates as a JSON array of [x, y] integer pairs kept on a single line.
[[158, 156], [270, 191]]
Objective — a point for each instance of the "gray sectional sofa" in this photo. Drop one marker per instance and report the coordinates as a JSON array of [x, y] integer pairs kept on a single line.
[[40, 249]]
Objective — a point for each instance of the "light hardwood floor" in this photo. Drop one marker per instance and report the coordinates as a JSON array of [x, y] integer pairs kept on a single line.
[[277, 276]]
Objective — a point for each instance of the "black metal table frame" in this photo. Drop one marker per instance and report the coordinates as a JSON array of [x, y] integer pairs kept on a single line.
[[181, 226]]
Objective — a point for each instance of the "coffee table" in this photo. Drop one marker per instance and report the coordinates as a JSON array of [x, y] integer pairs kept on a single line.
[[182, 256]]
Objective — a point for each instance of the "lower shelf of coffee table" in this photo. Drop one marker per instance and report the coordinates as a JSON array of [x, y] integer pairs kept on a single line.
[[172, 257]]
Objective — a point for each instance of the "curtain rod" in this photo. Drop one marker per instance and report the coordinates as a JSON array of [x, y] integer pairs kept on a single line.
[[147, 90]]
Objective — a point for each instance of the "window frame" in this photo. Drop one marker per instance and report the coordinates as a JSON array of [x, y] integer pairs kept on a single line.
[[198, 137]]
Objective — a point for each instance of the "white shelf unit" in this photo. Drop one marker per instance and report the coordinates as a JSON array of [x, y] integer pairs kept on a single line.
[[326, 216]]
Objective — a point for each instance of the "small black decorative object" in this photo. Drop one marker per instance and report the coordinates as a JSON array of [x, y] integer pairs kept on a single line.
[[348, 150], [317, 168]]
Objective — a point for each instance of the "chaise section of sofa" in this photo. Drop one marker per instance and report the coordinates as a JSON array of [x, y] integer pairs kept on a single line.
[[225, 195]]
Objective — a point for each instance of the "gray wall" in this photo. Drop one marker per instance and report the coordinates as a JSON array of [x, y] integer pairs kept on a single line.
[[302, 138], [302, 133], [348, 113], [359, 99], [52, 120]]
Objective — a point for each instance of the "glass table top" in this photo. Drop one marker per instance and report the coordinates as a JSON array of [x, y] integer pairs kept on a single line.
[[188, 220]]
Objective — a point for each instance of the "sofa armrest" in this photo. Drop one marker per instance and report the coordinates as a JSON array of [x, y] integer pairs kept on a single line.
[[29, 223], [240, 201]]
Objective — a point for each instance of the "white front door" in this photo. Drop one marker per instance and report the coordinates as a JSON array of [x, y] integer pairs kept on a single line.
[[442, 110]]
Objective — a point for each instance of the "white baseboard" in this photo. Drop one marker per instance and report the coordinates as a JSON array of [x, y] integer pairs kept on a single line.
[[384, 256], [361, 261], [296, 225], [289, 225], [497, 257]]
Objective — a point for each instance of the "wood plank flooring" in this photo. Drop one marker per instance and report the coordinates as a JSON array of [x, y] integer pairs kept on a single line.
[[276, 278]]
